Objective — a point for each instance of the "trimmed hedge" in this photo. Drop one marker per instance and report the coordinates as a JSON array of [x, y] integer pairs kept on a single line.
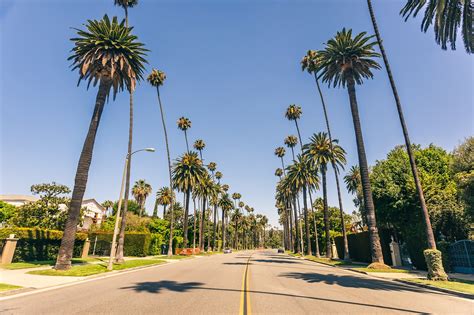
[[136, 243], [359, 246], [39, 244]]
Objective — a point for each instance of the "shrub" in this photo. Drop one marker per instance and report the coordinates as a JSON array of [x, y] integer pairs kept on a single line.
[[435, 265], [136, 243], [359, 246], [155, 243], [443, 247]]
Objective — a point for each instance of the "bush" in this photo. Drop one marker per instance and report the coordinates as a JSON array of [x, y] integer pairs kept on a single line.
[[155, 244], [39, 244], [443, 247], [136, 243], [435, 265], [359, 246]]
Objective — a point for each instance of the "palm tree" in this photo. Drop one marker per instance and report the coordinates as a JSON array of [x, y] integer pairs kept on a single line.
[[354, 186], [236, 217], [225, 188], [263, 223], [311, 64], [345, 62], [280, 152], [447, 17], [164, 197], [108, 204], [236, 196], [225, 204], [156, 79], [140, 192], [99, 62], [293, 112], [445, 30], [321, 151], [184, 124], [214, 200], [212, 167], [291, 141], [279, 172], [218, 176], [187, 172], [199, 145], [302, 175]]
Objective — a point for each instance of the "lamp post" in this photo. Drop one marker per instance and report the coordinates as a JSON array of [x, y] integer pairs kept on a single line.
[[119, 207]]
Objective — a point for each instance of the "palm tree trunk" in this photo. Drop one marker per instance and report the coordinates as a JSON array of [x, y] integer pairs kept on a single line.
[[336, 175], [429, 231], [306, 222], [223, 228], [375, 247], [119, 255], [63, 261], [194, 224], [155, 209], [201, 224], [299, 135], [186, 138], [214, 232], [326, 213], [164, 211], [297, 238], [170, 243], [290, 217], [300, 227], [185, 220], [208, 229], [316, 239]]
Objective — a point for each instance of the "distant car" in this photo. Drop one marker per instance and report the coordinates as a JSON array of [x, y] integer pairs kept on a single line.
[[281, 251], [227, 251]]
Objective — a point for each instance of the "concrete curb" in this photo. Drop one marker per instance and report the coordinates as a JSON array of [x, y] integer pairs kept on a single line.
[[426, 286]]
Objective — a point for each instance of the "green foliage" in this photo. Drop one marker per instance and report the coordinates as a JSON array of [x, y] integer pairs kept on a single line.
[[359, 246], [133, 207], [7, 211], [435, 265], [51, 193], [396, 200], [443, 247], [462, 166], [136, 243]]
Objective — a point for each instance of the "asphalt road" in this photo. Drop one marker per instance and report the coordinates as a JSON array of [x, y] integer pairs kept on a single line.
[[253, 282]]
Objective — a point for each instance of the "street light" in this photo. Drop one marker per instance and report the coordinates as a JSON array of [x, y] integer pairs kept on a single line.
[[117, 216]]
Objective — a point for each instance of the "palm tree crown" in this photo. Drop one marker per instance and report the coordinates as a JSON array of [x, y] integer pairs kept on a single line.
[[225, 187], [280, 152], [218, 175], [126, 3], [291, 141], [301, 173], [156, 78], [140, 191], [212, 166], [188, 171], [310, 62], [108, 50], [164, 196], [278, 172], [352, 180], [199, 145], [320, 151], [184, 123], [293, 112], [447, 17], [348, 59]]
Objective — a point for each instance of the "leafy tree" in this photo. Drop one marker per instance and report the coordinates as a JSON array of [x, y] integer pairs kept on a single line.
[[133, 207], [51, 193], [447, 17], [397, 203], [462, 166], [7, 211], [113, 67], [347, 61]]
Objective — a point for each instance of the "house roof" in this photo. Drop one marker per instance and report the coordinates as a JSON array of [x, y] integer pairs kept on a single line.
[[95, 202], [19, 198]]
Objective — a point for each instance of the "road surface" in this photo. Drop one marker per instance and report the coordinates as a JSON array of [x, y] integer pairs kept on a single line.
[[253, 282]]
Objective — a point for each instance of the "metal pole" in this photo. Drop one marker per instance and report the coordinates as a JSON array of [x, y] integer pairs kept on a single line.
[[117, 218]]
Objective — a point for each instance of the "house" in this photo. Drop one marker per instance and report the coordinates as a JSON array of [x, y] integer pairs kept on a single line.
[[94, 212]]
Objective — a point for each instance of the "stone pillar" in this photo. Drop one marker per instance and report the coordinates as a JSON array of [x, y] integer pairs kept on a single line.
[[334, 251], [85, 249], [395, 253], [9, 249]]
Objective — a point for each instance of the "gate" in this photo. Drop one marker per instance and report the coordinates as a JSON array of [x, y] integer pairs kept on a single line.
[[462, 256]]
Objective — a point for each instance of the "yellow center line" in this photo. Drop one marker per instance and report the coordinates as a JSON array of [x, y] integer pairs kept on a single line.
[[245, 293]]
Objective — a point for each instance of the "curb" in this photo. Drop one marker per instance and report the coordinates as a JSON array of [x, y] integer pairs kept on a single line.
[[427, 286]]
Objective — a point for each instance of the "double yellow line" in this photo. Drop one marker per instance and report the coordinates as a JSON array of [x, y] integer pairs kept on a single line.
[[245, 293]]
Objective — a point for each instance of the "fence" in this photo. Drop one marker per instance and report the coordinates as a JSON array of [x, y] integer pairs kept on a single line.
[[462, 256]]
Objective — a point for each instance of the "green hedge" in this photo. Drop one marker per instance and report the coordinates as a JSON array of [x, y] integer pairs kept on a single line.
[[359, 246], [39, 244], [136, 243]]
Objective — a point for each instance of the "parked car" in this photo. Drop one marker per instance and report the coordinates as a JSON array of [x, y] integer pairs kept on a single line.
[[227, 251], [281, 251]]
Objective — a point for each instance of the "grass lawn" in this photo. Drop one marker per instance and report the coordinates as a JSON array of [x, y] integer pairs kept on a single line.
[[7, 287], [464, 286], [392, 270], [92, 269], [35, 264], [173, 257], [333, 262]]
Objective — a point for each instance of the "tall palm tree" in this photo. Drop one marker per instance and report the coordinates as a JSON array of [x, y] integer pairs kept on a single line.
[[184, 124], [347, 61], [302, 175], [293, 112], [164, 197], [108, 204], [215, 192], [99, 62], [236, 196], [199, 145], [291, 141], [188, 172], [263, 223], [447, 16], [203, 189], [236, 218], [280, 152], [218, 176], [212, 167], [445, 30], [311, 64], [321, 151], [279, 172], [156, 79], [225, 204], [225, 188], [125, 4], [140, 192]]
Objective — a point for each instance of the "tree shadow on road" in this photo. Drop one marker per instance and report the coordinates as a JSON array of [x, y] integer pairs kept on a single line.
[[158, 286]]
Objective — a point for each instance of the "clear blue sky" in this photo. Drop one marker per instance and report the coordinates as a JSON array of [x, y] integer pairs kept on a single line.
[[233, 68]]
